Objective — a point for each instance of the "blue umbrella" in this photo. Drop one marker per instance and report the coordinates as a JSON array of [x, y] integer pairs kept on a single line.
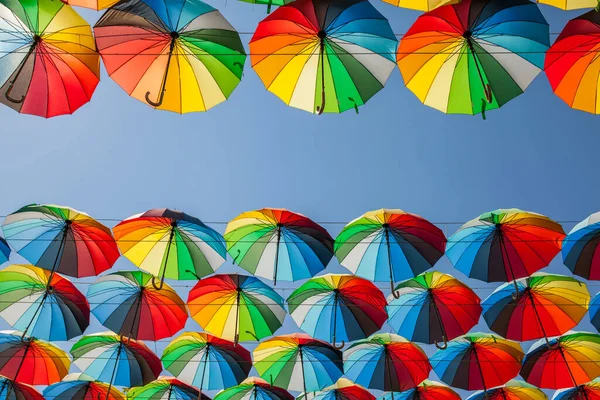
[[4, 251], [580, 248], [81, 387]]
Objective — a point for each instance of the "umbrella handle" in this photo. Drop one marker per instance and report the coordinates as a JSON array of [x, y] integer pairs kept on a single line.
[[551, 346], [157, 287], [340, 346], [444, 344], [9, 91], [160, 99], [239, 64], [27, 339], [51, 290], [516, 294], [395, 293], [236, 340], [239, 253], [356, 105], [189, 271]]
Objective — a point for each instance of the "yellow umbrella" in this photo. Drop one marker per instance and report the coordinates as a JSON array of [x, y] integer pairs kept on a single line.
[[571, 4], [421, 5]]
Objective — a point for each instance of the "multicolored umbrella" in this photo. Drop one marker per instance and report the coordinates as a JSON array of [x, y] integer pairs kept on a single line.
[[545, 305], [432, 308], [338, 307], [254, 389], [4, 251], [236, 307], [579, 249], [427, 390], [478, 361], [11, 390], [92, 4], [61, 239], [181, 57], [298, 362], [568, 361], [206, 361], [324, 55], [166, 388], [385, 245], [474, 56], [41, 304], [344, 389], [513, 390], [594, 311], [386, 362], [590, 391], [82, 387], [170, 244], [421, 5], [278, 244], [571, 4], [127, 303]]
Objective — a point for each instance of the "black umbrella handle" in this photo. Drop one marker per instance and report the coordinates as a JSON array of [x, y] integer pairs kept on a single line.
[[7, 94], [163, 89]]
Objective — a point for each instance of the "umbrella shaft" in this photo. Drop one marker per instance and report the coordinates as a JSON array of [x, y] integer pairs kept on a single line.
[[204, 370], [276, 256], [389, 254], [560, 349], [480, 370], [18, 369], [438, 317], [537, 315], [164, 271], [504, 253], [303, 378], [58, 254], [478, 67], [112, 378]]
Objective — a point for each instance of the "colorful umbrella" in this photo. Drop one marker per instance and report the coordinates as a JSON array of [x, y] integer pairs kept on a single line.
[[236, 307], [427, 390], [478, 361], [385, 245], [61, 239], [344, 389], [571, 4], [206, 361], [568, 361], [386, 362], [41, 304], [254, 389], [587, 391], [513, 390], [421, 5], [180, 57], [545, 305], [474, 56], [92, 4], [324, 55], [433, 307], [278, 244], [580, 245], [298, 362], [170, 244], [127, 303], [595, 311], [81, 387], [11, 390], [165, 388], [332, 307], [4, 251]]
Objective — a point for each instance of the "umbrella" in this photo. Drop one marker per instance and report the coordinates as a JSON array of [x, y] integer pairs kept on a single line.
[[11, 390], [332, 307], [236, 307], [568, 361], [278, 244], [207, 361], [254, 389], [170, 244], [324, 55], [478, 361], [579, 247], [513, 390], [4, 251], [96, 5], [587, 391], [81, 387], [165, 388], [41, 304], [545, 305], [385, 245], [571, 4], [48, 65], [474, 56], [61, 239], [595, 311], [298, 362], [127, 303], [181, 57], [344, 389], [433, 307], [427, 390], [421, 5]]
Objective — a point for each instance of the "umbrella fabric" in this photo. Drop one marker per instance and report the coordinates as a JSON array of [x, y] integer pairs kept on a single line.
[[324, 55], [4, 251], [338, 307], [278, 244], [269, 3], [545, 305], [579, 249], [207, 361], [474, 56], [478, 361], [298, 362], [11, 390], [433, 307], [513, 390], [127, 303], [344, 389], [595, 311], [61, 239], [421, 5], [386, 362], [81, 387], [504, 245], [590, 391], [570, 4], [427, 390], [48, 65], [254, 389], [236, 307], [43, 305], [181, 57], [92, 4], [166, 388]]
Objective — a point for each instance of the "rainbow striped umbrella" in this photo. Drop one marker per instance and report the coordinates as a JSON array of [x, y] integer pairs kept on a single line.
[[254, 389], [421, 5], [513, 390], [343, 389], [4, 251], [166, 388], [81, 387], [589, 391], [11, 390], [580, 250], [427, 390]]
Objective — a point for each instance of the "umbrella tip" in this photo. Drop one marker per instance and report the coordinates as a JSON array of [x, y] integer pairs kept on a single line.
[[467, 34]]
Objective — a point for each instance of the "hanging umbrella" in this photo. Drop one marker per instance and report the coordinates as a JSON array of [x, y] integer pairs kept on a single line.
[[41, 304], [298, 362], [181, 57], [170, 244], [81, 387], [11, 390], [254, 389], [206, 361], [324, 55], [587, 391], [427, 390], [236, 307], [568, 361], [4, 251], [432, 308], [127, 303], [343, 389], [166, 388], [338, 307], [421, 5], [474, 56], [385, 245], [579, 246], [96, 5], [278, 244], [513, 390], [571, 4], [545, 305], [595, 311]]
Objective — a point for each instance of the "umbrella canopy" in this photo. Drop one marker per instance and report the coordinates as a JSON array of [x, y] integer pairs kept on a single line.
[[513, 390], [474, 56], [166, 388], [254, 389], [590, 391], [170, 244], [127, 303], [432, 308], [344, 389], [298, 362], [92, 4], [81, 387], [269, 3], [4, 251], [570, 4], [181, 57], [236, 307], [478, 361], [421, 5], [41, 304], [11, 390], [579, 249], [595, 311], [278, 244], [207, 361], [324, 55], [385, 245], [427, 390], [338, 307]]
